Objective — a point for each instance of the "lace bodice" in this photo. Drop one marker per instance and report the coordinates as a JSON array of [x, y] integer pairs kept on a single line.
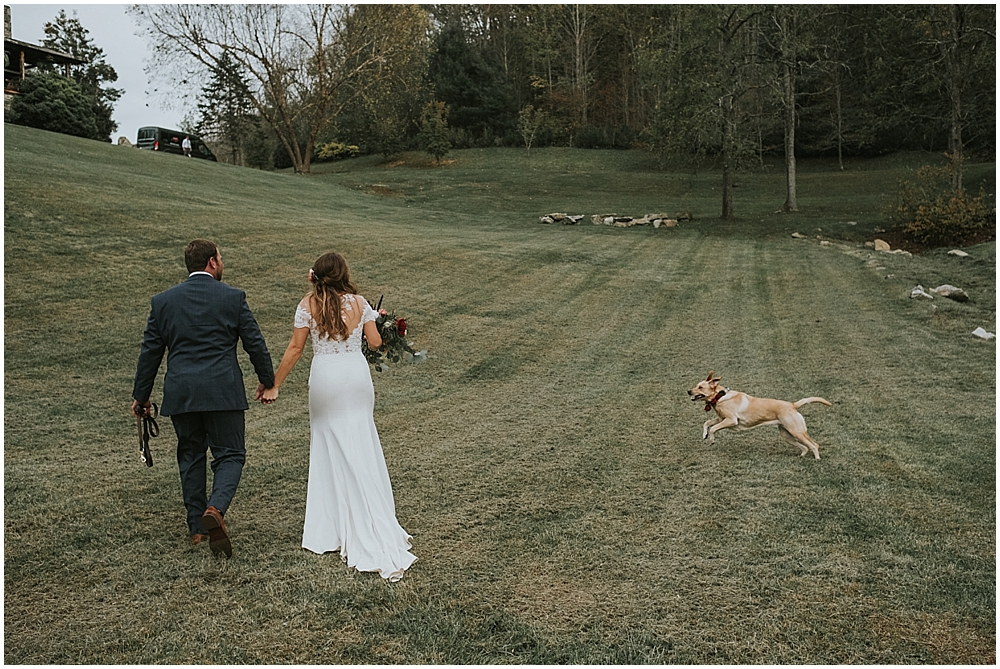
[[324, 345]]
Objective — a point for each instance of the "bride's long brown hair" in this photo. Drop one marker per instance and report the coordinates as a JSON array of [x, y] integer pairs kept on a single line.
[[331, 278]]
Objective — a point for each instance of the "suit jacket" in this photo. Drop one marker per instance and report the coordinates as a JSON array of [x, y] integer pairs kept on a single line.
[[198, 324]]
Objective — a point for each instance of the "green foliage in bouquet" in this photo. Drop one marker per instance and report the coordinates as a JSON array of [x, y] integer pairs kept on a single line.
[[395, 347]]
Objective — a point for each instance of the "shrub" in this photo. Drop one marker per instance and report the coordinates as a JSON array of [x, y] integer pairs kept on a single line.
[[50, 101], [951, 220], [434, 135], [335, 151], [929, 213]]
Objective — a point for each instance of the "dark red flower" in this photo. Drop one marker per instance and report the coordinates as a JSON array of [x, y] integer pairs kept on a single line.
[[401, 326]]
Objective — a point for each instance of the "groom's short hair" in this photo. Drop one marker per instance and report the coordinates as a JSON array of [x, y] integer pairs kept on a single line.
[[198, 253]]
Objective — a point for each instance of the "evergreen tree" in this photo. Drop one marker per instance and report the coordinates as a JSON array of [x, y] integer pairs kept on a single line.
[[69, 36], [50, 101], [463, 79], [434, 130], [225, 111]]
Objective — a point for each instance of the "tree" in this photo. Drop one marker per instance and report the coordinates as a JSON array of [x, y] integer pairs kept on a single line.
[[434, 130], [297, 60], [50, 101], [465, 80], [961, 41], [704, 65], [69, 36], [529, 122], [390, 95], [789, 44], [225, 111]]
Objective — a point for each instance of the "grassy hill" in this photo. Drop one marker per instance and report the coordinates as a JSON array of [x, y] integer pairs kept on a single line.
[[545, 458]]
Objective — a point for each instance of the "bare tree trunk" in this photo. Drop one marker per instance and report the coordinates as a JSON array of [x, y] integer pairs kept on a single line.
[[728, 157], [788, 30], [791, 204], [840, 115], [579, 23], [955, 84], [949, 30]]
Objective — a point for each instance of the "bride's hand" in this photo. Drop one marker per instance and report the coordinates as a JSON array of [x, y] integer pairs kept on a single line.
[[269, 395]]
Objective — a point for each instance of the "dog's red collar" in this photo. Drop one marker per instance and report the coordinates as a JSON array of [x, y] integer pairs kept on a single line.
[[710, 404]]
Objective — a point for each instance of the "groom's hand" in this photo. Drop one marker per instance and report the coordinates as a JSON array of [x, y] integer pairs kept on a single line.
[[269, 395], [260, 393], [140, 408]]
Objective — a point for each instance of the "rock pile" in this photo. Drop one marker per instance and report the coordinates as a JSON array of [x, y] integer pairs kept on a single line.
[[565, 219], [618, 221], [947, 290], [951, 292]]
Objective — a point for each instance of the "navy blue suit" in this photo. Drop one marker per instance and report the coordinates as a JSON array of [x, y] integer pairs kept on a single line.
[[198, 324]]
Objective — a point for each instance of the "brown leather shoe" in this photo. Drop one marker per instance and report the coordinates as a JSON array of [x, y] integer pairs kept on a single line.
[[218, 537], [198, 538]]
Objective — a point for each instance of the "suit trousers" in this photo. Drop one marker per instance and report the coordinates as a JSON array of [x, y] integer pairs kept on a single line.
[[224, 432]]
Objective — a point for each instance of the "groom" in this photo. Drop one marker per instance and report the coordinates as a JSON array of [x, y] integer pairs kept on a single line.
[[198, 324]]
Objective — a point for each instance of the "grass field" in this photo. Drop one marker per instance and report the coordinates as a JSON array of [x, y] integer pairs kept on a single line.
[[546, 458]]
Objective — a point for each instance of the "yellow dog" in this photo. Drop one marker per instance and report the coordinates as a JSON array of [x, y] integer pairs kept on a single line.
[[743, 412]]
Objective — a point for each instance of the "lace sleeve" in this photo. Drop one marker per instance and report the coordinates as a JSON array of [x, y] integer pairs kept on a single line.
[[302, 317], [368, 314]]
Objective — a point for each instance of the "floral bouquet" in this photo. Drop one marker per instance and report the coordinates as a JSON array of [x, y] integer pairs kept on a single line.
[[395, 347]]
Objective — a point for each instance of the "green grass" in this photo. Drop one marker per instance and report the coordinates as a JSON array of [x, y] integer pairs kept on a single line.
[[546, 458]]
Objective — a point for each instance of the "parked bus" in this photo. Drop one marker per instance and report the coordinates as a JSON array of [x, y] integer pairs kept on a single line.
[[169, 141]]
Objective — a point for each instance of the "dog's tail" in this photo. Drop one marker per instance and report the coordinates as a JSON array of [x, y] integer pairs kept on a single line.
[[810, 400]]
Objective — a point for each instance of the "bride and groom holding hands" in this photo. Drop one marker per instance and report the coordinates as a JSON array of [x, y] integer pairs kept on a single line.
[[198, 324]]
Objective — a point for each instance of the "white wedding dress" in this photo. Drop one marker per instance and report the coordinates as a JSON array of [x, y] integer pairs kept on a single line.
[[349, 502]]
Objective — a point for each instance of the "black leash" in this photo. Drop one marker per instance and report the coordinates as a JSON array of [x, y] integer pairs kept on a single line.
[[146, 423]]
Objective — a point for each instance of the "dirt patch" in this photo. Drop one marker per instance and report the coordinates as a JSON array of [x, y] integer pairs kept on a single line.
[[380, 189]]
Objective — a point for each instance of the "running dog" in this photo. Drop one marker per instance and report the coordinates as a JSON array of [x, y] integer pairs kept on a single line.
[[743, 412]]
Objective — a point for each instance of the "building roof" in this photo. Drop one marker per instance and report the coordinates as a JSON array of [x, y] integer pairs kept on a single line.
[[39, 54]]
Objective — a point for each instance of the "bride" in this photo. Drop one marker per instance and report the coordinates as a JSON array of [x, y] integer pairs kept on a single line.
[[349, 503]]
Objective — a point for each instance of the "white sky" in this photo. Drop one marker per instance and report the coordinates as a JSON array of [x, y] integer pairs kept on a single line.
[[113, 31]]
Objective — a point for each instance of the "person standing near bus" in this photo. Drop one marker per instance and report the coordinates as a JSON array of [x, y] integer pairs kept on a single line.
[[186, 145]]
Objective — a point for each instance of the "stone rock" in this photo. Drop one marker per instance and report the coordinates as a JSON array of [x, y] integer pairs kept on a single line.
[[951, 292], [545, 219], [918, 291], [669, 223], [852, 222], [881, 245], [824, 243], [983, 334], [123, 141], [609, 220], [574, 219], [958, 252], [798, 236]]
